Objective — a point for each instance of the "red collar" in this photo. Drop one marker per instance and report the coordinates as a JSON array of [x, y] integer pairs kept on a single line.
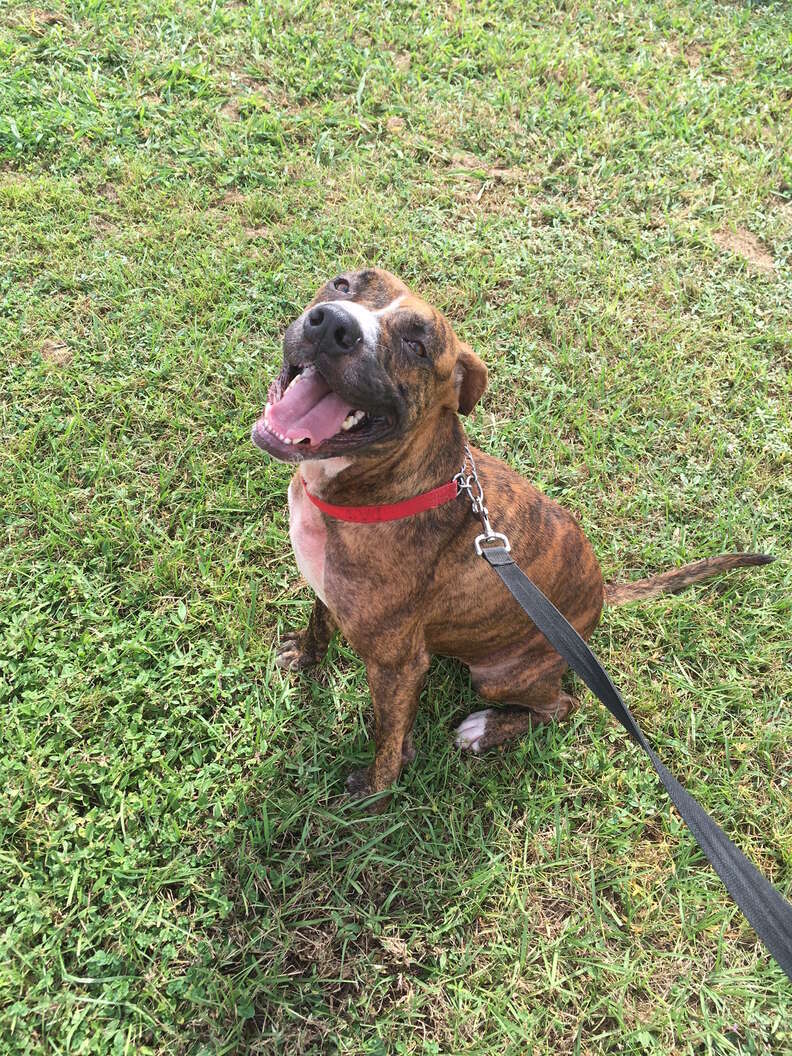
[[392, 511]]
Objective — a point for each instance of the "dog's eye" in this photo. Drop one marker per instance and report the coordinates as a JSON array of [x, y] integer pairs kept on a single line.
[[341, 285], [415, 347]]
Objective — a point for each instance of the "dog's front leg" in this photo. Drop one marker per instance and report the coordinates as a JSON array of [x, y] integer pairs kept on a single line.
[[307, 647], [394, 695]]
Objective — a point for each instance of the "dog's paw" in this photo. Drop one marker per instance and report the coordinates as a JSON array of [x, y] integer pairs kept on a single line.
[[471, 734], [358, 785], [291, 654], [359, 788]]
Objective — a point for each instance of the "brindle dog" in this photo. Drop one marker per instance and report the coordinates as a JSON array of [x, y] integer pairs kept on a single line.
[[368, 404]]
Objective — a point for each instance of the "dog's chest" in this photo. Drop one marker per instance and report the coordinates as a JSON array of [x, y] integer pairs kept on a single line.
[[308, 538], [306, 524]]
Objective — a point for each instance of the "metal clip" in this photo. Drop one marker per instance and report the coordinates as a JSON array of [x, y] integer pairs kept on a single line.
[[467, 482], [492, 538]]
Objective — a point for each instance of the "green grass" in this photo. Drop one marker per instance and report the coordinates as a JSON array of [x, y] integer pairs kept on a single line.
[[574, 184]]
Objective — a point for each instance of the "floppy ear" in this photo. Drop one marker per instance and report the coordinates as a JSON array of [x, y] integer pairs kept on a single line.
[[470, 375]]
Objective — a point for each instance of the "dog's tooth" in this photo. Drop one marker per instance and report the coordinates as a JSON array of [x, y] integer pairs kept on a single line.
[[352, 419], [305, 372]]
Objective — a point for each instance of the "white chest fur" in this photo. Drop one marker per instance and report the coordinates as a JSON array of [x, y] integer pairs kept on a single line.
[[306, 524], [308, 538]]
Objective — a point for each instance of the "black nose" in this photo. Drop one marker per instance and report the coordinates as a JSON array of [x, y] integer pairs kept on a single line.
[[332, 329]]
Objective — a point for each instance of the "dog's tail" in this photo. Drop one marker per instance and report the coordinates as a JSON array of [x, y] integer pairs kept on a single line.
[[678, 578]]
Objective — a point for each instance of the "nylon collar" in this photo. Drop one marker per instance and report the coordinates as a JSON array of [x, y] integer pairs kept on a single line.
[[392, 511]]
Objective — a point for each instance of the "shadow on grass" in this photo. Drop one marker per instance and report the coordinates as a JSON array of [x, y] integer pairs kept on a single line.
[[343, 920]]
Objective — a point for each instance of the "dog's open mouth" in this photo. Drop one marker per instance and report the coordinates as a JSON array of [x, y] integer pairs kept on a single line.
[[304, 417]]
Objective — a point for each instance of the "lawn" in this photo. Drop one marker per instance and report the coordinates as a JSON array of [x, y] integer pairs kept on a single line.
[[599, 195]]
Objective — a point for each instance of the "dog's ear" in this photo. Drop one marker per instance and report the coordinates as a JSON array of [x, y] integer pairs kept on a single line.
[[470, 374]]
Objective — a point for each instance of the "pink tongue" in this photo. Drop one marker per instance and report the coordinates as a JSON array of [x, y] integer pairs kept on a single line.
[[309, 409]]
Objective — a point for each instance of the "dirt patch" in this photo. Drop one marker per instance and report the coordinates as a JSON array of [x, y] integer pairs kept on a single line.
[[233, 198], [747, 246], [694, 55], [496, 173], [463, 160], [48, 18], [397, 949], [230, 110], [103, 226], [108, 191], [513, 174], [35, 21], [395, 125], [56, 351], [485, 187], [255, 84]]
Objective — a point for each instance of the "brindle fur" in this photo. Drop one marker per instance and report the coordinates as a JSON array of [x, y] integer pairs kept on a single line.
[[404, 591]]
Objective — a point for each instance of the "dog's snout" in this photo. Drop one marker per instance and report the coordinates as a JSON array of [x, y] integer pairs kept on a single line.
[[332, 329]]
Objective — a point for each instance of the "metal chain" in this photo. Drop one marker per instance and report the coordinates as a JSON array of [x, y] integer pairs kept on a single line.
[[467, 482]]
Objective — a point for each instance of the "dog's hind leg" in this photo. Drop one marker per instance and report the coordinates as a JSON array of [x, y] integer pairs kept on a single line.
[[307, 647], [485, 729]]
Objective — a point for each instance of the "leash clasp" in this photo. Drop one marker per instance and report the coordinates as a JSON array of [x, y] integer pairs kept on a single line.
[[471, 485], [493, 537]]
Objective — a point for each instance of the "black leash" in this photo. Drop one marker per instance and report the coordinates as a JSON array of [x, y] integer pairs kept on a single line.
[[768, 912]]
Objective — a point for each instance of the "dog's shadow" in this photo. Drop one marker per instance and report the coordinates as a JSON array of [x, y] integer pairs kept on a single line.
[[332, 903]]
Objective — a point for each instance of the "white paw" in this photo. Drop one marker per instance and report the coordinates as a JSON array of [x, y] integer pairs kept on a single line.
[[470, 732]]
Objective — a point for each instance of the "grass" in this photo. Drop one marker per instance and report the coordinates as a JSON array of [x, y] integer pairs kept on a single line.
[[599, 194]]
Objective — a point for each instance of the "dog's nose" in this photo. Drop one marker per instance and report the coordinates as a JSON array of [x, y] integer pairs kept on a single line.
[[331, 329]]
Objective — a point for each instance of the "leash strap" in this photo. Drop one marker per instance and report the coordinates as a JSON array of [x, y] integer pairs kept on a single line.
[[769, 913]]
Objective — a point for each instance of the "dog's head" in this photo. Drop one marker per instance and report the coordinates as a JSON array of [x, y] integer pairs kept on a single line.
[[365, 364]]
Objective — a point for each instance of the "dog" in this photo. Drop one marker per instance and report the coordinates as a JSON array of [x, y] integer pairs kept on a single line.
[[368, 404]]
